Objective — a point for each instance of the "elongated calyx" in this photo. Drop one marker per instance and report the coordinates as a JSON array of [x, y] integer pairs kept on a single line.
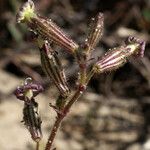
[[117, 57], [46, 28], [53, 68], [95, 33], [32, 120]]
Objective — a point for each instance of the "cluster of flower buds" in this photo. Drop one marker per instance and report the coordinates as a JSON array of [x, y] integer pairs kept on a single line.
[[44, 27], [117, 57], [31, 118], [53, 68]]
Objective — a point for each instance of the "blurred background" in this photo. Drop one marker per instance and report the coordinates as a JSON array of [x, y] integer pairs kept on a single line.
[[114, 112]]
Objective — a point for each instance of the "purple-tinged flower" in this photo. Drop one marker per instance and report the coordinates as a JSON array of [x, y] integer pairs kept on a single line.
[[139, 43], [117, 57], [28, 90]]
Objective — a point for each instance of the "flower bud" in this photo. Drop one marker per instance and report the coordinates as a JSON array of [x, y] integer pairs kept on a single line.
[[96, 31], [53, 68], [117, 57]]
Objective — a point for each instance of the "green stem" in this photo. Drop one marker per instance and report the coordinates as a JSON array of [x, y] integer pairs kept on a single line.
[[82, 74], [83, 81]]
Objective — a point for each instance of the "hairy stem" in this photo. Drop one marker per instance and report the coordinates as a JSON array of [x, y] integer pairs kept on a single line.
[[53, 132], [75, 97], [90, 75], [66, 109], [60, 117]]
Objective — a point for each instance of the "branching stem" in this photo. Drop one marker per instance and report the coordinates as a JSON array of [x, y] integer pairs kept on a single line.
[[66, 109], [60, 118]]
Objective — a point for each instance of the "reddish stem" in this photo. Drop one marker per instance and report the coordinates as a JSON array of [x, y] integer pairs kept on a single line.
[[60, 117], [54, 131]]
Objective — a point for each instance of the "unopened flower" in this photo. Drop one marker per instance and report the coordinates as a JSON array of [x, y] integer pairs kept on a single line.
[[45, 28], [53, 68], [117, 57], [95, 33]]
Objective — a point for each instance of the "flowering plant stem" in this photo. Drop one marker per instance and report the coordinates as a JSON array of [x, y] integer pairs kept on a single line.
[[64, 112], [60, 117], [47, 32], [54, 131]]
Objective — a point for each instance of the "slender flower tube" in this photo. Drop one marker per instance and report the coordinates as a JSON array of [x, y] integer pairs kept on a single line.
[[117, 57], [95, 33], [44, 27], [32, 120], [52, 68]]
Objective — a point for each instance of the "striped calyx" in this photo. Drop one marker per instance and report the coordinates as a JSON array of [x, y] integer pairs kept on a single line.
[[48, 30], [95, 32], [117, 57], [53, 68], [45, 28], [32, 120]]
